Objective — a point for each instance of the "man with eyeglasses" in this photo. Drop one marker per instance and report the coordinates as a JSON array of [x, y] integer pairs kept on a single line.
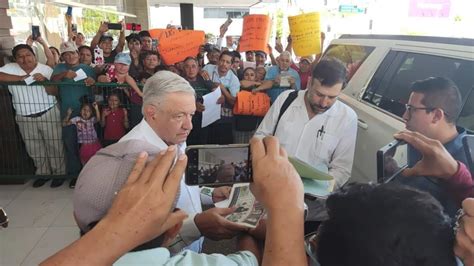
[[432, 110]]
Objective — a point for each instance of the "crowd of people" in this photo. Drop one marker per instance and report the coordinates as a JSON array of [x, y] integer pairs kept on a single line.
[[78, 67], [224, 173], [127, 201]]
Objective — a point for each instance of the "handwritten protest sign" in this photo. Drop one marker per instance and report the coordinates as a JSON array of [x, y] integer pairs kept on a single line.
[[255, 33], [175, 45], [305, 33], [248, 103]]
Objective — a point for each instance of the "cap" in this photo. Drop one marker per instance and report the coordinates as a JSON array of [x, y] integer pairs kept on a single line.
[[261, 53], [308, 59], [123, 58], [105, 38], [102, 177], [67, 47], [133, 37]]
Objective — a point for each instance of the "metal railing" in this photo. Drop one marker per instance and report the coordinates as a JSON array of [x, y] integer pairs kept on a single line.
[[37, 142]]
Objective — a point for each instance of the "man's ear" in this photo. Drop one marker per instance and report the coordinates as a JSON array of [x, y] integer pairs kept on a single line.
[[150, 111], [438, 115]]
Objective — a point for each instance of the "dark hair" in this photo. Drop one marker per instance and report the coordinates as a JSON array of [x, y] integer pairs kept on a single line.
[[145, 54], [228, 53], [329, 72], [88, 48], [191, 58], [439, 92], [21, 46], [387, 224], [116, 92], [144, 33], [236, 54], [80, 33], [250, 68], [133, 37], [55, 49]]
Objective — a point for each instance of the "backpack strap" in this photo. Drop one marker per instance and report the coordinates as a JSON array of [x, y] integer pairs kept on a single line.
[[291, 97]]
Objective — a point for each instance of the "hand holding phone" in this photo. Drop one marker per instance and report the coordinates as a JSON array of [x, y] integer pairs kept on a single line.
[[35, 32], [436, 161], [114, 26], [391, 160], [69, 11], [212, 165]]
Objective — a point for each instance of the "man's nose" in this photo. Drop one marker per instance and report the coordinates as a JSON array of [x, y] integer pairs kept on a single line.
[[188, 123], [406, 115], [324, 102]]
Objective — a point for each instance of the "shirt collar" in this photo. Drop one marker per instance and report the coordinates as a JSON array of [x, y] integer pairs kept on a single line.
[[152, 137]]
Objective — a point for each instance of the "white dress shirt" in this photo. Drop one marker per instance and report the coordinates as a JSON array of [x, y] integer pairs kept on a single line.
[[29, 100], [189, 198], [327, 141]]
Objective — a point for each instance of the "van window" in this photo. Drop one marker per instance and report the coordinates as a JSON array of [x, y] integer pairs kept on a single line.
[[351, 55], [466, 118], [390, 88]]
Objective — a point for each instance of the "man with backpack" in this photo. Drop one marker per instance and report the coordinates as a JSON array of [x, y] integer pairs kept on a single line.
[[313, 125]]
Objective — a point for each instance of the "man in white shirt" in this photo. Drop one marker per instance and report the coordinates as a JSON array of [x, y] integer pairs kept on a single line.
[[223, 77], [37, 114], [168, 107], [316, 127]]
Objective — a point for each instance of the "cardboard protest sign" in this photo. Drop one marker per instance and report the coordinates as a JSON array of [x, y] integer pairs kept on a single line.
[[255, 33], [248, 103], [306, 33], [175, 45]]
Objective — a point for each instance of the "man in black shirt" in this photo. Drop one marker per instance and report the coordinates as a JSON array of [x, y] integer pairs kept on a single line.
[[198, 134]]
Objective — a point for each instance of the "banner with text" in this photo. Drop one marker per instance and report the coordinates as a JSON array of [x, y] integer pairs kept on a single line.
[[306, 33], [255, 33], [175, 45]]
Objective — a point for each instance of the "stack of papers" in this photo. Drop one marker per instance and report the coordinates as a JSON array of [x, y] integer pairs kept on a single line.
[[315, 181]]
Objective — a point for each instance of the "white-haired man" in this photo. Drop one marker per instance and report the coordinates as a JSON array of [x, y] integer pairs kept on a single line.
[[168, 107], [280, 78]]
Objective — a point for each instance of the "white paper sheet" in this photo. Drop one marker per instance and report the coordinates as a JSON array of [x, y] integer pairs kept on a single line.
[[212, 112], [29, 80], [80, 75]]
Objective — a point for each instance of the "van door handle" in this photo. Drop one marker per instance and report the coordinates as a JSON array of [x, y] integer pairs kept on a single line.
[[362, 124]]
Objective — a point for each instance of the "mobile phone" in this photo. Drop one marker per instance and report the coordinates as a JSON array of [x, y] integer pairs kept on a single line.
[[391, 160], [154, 44], [114, 26], [35, 32], [133, 26], [98, 56], [215, 165], [69, 11], [468, 143], [74, 28]]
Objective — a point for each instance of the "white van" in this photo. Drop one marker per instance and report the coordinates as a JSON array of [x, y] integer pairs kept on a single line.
[[381, 70]]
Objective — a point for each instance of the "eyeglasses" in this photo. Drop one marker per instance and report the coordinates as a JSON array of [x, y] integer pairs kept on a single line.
[[410, 109], [3, 219]]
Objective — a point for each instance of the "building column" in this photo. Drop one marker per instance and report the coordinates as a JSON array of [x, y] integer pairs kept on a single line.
[[187, 16], [6, 40], [140, 9]]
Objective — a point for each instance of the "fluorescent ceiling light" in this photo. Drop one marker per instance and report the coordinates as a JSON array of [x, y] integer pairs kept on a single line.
[[68, 3]]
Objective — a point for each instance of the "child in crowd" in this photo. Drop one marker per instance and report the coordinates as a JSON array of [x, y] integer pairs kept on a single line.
[[114, 119], [86, 134], [118, 73]]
